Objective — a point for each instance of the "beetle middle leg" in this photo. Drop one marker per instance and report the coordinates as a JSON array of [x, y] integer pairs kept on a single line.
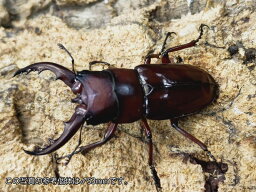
[[163, 55], [165, 58], [149, 57], [186, 45], [145, 126]]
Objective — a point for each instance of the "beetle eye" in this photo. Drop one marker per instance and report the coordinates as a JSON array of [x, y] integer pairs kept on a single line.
[[77, 87]]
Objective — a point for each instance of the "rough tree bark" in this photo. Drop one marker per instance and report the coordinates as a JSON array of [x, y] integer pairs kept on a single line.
[[34, 107]]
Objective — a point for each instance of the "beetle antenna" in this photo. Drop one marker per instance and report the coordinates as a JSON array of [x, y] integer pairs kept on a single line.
[[72, 59], [165, 40]]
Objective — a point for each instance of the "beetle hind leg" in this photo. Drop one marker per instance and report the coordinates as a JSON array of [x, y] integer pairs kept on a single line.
[[174, 123], [163, 55], [186, 45]]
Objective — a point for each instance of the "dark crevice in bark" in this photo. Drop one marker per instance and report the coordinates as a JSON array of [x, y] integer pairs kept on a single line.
[[214, 172]]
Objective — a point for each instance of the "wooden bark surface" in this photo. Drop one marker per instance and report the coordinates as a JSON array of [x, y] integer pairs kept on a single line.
[[34, 107]]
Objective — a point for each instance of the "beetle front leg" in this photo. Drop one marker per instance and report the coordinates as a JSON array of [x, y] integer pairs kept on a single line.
[[69, 156], [84, 149], [108, 135], [145, 126]]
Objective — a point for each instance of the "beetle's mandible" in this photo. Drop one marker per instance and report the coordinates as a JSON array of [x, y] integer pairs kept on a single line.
[[115, 96]]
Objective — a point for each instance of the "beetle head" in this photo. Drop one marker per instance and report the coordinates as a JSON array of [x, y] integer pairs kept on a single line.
[[80, 115], [95, 96]]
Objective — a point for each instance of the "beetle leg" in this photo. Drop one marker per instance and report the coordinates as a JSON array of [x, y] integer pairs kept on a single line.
[[97, 62], [69, 156], [174, 123], [108, 135], [165, 58], [187, 45], [164, 54], [84, 149], [149, 57], [165, 40], [145, 126], [71, 127]]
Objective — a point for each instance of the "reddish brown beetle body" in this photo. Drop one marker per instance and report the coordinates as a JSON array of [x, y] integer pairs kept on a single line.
[[157, 92], [154, 92]]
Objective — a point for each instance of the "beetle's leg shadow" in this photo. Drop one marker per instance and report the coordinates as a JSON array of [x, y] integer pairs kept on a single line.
[[145, 126], [174, 123], [164, 56], [98, 62]]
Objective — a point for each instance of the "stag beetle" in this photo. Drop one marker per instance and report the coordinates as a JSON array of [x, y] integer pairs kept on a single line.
[[115, 96]]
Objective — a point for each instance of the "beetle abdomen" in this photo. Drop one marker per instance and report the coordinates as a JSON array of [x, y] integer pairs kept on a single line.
[[175, 90]]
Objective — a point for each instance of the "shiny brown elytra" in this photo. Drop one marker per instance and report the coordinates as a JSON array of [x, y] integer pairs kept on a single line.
[[115, 96]]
